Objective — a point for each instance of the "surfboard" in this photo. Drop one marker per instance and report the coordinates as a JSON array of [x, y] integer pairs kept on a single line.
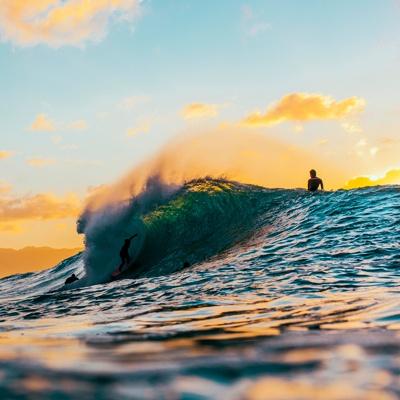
[[116, 272]]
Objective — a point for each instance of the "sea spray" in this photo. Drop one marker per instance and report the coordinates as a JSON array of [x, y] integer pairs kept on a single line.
[[107, 227]]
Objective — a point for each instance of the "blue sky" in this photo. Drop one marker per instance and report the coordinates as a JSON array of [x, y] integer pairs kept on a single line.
[[239, 55]]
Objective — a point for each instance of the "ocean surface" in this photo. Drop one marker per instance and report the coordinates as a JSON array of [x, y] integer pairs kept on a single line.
[[289, 295]]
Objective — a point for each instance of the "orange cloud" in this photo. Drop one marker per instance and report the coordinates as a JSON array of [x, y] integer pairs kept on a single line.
[[5, 154], [40, 162], [391, 177], [42, 206], [200, 110], [42, 124], [60, 22], [305, 107]]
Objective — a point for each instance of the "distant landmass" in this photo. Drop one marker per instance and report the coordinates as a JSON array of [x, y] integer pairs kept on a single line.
[[31, 259]]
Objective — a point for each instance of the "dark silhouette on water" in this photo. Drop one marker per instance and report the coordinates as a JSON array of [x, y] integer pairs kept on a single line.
[[314, 182], [124, 252], [71, 279]]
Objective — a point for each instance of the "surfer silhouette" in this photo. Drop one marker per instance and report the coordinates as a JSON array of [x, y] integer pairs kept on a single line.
[[314, 182], [71, 279], [124, 252]]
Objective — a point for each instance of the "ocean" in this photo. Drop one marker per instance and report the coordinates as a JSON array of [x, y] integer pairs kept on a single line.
[[286, 294]]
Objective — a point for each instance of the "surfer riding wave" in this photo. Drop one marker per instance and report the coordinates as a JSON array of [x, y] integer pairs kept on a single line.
[[124, 253]]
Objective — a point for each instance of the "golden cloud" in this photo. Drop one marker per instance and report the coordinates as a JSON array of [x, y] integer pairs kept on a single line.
[[60, 22], [40, 162], [5, 154], [391, 177], [300, 107], [43, 206], [42, 124], [199, 110]]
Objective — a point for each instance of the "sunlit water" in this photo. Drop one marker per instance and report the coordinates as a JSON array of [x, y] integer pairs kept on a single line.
[[304, 304]]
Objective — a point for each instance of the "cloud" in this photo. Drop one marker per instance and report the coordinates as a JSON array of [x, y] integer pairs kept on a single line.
[[391, 177], [61, 22], [362, 147], [80, 125], [129, 103], [40, 162], [351, 128], [200, 110], [373, 151], [56, 139], [389, 141], [252, 25], [42, 124], [5, 154], [361, 143], [4, 187], [43, 206], [302, 107], [142, 127]]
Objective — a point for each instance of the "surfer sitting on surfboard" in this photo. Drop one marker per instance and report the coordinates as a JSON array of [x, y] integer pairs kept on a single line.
[[124, 252]]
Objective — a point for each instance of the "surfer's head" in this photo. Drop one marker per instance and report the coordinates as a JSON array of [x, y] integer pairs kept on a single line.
[[313, 173]]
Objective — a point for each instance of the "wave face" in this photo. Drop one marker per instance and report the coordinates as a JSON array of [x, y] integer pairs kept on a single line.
[[285, 289], [199, 221], [175, 225]]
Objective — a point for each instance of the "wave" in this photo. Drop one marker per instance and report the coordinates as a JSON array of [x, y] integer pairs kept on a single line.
[[175, 225], [202, 219], [207, 218]]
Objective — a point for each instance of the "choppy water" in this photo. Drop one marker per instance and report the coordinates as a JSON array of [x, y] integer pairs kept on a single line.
[[290, 295]]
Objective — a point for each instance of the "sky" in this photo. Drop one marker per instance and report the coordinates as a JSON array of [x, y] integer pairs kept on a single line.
[[89, 89]]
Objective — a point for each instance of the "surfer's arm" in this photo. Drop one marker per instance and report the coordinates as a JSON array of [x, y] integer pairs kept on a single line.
[[322, 184]]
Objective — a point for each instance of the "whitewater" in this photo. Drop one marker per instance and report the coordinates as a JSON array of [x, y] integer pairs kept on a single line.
[[288, 294]]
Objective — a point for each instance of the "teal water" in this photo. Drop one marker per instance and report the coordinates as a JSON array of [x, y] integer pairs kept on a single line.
[[288, 295]]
